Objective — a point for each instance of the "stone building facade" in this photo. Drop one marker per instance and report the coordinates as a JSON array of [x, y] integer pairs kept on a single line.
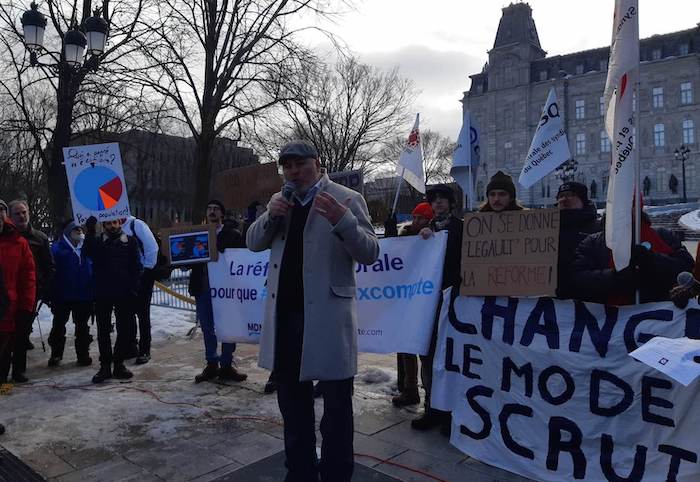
[[507, 96]]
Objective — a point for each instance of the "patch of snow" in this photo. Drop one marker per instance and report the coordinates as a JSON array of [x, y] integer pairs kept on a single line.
[[691, 220]]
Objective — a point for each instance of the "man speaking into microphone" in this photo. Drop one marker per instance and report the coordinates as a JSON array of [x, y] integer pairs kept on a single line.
[[316, 231]]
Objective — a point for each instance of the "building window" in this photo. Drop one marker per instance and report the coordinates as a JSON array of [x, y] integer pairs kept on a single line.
[[605, 145], [603, 65], [686, 93], [656, 54], [657, 97], [634, 100], [579, 69], [507, 119], [659, 136], [580, 109], [688, 131], [543, 75], [690, 176], [580, 144], [601, 104], [605, 185], [683, 49]]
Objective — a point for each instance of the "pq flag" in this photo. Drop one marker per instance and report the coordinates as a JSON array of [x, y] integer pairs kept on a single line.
[[410, 165], [549, 148], [623, 72], [465, 159]]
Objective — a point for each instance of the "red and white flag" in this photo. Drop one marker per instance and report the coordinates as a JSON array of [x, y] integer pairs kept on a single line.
[[410, 165], [623, 72]]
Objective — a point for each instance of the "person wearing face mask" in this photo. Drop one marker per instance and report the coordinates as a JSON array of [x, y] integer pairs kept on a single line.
[[72, 295], [117, 268]]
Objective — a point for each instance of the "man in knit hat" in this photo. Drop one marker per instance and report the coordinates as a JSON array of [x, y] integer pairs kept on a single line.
[[500, 194]]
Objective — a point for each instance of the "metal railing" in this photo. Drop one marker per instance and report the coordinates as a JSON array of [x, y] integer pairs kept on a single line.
[[172, 292]]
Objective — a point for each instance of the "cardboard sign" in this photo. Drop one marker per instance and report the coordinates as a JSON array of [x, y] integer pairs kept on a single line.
[[238, 188], [511, 253], [349, 179], [189, 244], [96, 182]]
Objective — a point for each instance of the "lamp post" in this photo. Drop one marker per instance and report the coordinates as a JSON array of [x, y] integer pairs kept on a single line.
[[682, 153], [70, 66]]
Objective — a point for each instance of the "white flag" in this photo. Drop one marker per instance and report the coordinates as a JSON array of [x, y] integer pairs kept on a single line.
[[549, 147], [623, 72], [410, 165], [465, 160]]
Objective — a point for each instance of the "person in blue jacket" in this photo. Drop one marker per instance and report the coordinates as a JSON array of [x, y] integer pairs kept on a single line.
[[72, 294]]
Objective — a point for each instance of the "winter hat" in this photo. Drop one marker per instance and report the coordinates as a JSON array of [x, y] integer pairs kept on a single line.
[[69, 227], [298, 149], [575, 187], [216, 202], [441, 190], [423, 209], [502, 181]]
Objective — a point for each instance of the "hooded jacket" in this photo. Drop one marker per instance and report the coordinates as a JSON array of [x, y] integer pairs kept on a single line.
[[18, 273], [73, 280]]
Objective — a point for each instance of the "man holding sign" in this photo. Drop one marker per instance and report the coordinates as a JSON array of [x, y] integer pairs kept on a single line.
[[316, 231]]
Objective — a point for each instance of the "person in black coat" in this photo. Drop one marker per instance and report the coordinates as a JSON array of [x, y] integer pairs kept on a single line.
[[117, 269], [442, 200], [217, 365], [578, 218], [654, 267]]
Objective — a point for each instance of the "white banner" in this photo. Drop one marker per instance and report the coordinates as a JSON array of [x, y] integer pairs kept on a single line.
[[410, 165], [396, 296], [549, 148], [546, 389], [96, 182], [465, 159]]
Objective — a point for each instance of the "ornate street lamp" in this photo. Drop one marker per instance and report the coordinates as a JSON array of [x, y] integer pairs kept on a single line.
[[681, 154], [33, 25]]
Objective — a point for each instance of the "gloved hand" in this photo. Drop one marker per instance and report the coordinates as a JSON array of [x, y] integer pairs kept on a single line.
[[390, 227]]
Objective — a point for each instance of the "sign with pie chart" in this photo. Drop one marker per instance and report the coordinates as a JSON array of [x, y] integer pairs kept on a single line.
[[96, 181]]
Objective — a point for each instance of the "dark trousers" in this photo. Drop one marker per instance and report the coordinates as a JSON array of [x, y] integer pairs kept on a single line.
[[23, 327], [407, 369], [62, 311], [296, 402], [124, 315], [142, 310], [7, 341], [426, 362]]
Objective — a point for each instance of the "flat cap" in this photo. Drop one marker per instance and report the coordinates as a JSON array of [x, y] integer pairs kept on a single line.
[[298, 149]]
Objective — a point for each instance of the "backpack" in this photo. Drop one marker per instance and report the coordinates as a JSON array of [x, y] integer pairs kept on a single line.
[[162, 270]]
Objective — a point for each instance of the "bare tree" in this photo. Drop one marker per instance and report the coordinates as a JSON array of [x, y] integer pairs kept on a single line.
[[220, 62], [437, 155], [348, 110]]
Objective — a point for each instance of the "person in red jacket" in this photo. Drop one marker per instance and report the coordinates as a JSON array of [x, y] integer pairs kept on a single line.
[[19, 277]]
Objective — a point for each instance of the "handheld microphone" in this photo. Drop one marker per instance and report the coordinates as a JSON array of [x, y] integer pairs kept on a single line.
[[288, 190], [688, 287]]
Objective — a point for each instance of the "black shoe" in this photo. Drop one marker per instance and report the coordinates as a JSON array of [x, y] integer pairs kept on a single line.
[[406, 398], [54, 361], [121, 372], [105, 373], [428, 420], [19, 378], [30, 345], [84, 361], [143, 359], [2, 429], [270, 386], [210, 372], [231, 374]]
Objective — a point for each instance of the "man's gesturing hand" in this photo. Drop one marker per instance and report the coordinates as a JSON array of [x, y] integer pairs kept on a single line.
[[279, 206], [328, 207]]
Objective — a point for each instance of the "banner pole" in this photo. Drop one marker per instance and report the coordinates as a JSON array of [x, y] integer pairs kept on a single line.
[[637, 176], [398, 190]]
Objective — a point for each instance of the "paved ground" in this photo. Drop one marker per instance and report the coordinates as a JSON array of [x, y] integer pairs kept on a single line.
[[161, 426]]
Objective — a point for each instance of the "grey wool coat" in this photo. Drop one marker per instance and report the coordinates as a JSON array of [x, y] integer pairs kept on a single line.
[[330, 253]]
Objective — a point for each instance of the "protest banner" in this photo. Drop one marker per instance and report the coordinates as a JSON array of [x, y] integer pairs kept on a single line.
[[96, 182], [510, 253], [350, 179], [238, 188], [546, 389], [189, 244], [396, 296]]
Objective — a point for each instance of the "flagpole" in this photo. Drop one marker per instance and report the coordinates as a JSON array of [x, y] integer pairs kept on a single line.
[[637, 176], [398, 190]]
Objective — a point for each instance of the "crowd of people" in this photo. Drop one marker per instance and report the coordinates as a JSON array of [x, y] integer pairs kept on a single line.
[[309, 329]]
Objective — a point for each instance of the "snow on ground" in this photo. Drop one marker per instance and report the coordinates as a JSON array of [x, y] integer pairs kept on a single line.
[[691, 220]]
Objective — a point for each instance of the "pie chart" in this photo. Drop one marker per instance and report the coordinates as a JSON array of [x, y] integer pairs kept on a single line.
[[98, 188]]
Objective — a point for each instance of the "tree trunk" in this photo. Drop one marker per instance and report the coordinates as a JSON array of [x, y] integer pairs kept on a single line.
[[204, 153]]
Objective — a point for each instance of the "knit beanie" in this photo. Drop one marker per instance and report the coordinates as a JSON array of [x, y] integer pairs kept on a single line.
[[575, 187], [216, 202], [423, 209], [441, 190], [502, 181]]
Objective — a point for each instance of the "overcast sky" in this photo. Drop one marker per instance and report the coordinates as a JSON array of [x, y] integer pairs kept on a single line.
[[439, 43]]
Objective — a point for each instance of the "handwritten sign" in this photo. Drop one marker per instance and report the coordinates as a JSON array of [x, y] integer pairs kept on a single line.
[[96, 182], [511, 253], [238, 188]]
